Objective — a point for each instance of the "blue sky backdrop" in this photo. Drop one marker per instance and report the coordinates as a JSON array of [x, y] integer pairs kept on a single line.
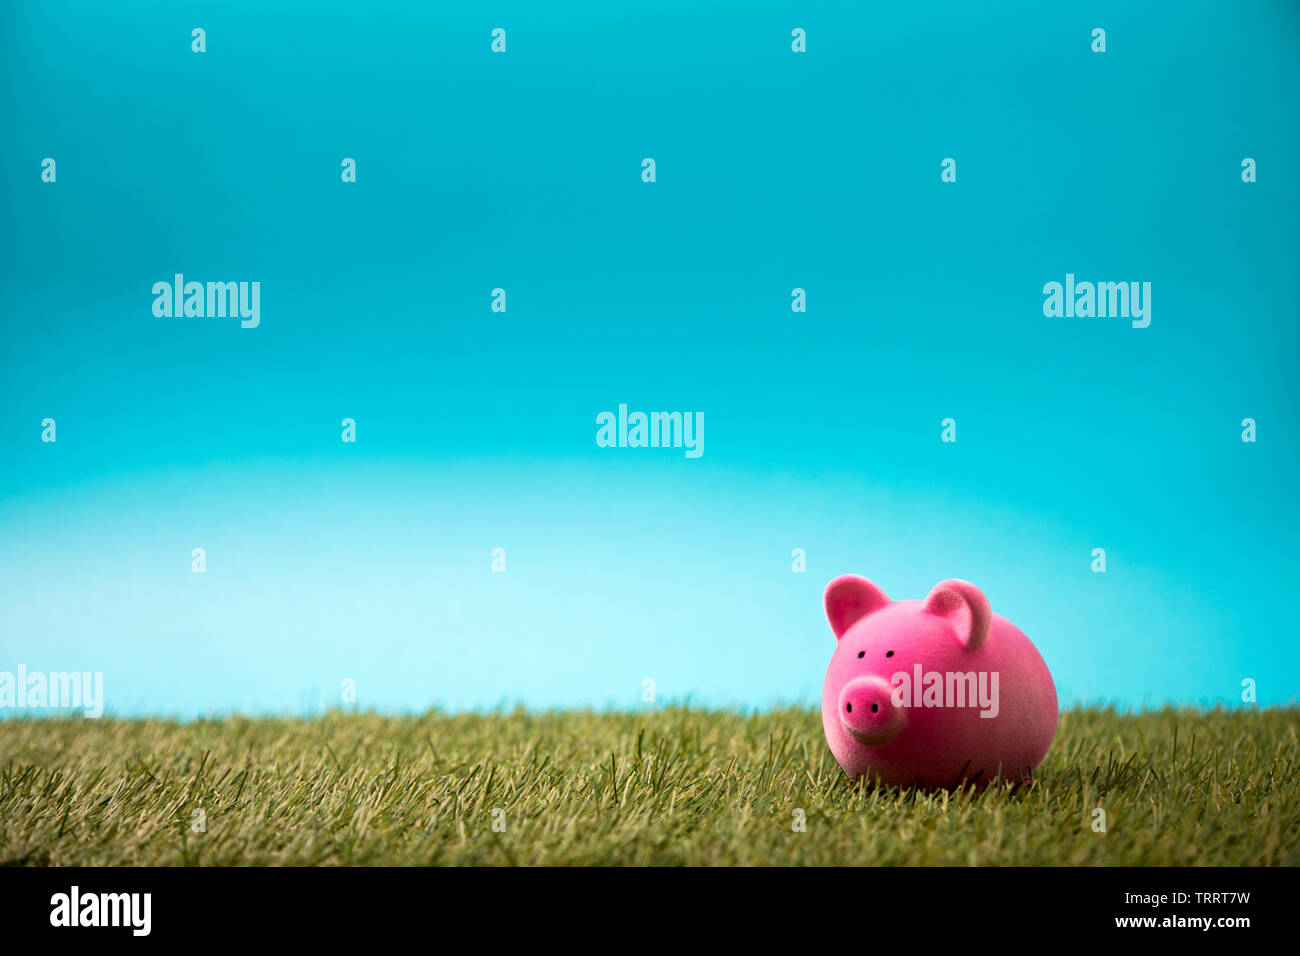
[[476, 430]]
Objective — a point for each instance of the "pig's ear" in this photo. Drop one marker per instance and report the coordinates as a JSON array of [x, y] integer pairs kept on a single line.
[[965, 607], [850, 598]]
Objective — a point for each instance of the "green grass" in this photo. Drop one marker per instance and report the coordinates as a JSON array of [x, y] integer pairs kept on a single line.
[[676, 786]]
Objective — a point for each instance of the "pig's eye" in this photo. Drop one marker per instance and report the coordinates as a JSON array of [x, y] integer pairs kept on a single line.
[[862, 653], [887, 654]]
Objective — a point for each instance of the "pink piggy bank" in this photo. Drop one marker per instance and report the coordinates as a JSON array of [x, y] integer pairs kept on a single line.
[[935, 692]]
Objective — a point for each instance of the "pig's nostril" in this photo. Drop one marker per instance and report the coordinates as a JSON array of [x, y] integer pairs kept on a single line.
[[849, 708], [862, 653], [888, 654], [875, 707]]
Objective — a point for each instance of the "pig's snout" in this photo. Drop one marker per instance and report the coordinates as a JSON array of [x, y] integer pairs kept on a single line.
[[868, 713]]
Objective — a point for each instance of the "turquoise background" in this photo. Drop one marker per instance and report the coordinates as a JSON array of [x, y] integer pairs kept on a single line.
[[476, 430]]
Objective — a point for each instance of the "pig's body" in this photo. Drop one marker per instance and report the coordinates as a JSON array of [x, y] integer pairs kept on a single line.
[[953, 634]]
